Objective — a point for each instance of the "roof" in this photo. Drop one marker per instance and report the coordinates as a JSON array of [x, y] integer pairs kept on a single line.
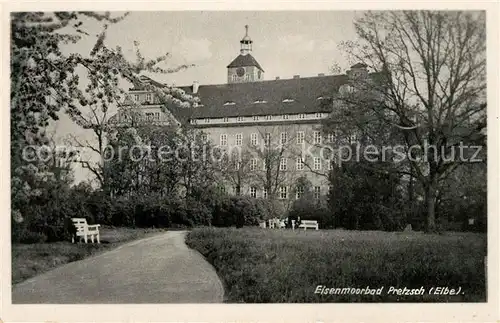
[[301, 95], [245, 60], [274, 97]]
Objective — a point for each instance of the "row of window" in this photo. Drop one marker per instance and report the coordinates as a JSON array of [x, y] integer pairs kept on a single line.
[[283, 165], [283, 192], [148, 97], [257, 118], [300, 138]]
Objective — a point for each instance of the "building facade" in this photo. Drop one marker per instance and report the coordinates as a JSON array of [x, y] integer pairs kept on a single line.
[[271, 128]]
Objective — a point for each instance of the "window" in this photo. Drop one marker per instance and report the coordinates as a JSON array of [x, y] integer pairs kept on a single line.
[[148, 115], [331, 137], [300, 192], [207, 120], [235, 77], [318, 115], [267, 139], [283, 138], [264, 193], [302, 116], [193, 121], [253, 139], [136, 97], [157, 115], [239, 139], [237, 165], [223, 140], [204, 137], [300, 137], [222, 189], [285, 116], [148, 97], [317, 137], [255, 118], [317, 163], [283, 164], [253, 164], [240, 119], [253, 191], [264, 165], [300, 163], [247, 77], [269, 117], [317, 192], [226, 119], [283, 192]]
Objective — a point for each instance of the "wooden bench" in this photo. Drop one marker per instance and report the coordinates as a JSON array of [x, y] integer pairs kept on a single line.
[[309, 224], [85, 230]]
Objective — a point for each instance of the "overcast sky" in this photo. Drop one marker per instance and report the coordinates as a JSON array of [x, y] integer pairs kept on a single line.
[[284, 43]]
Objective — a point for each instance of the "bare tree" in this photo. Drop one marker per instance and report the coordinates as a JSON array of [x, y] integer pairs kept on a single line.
[[429, 85]]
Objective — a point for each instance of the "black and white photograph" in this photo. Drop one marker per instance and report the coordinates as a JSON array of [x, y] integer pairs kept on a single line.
[[249, 157]]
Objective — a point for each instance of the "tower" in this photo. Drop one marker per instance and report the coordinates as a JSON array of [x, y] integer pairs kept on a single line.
[[245, 67]]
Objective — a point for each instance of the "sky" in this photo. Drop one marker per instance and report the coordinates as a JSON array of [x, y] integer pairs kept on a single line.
[[285, 43]]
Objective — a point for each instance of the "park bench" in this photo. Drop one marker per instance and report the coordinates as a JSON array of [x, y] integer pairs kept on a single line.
[[309, 224], [85, 230]]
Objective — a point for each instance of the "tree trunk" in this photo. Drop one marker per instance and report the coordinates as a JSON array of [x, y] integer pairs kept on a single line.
[[430, 196]]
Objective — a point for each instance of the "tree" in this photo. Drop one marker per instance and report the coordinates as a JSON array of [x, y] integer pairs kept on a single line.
[[42, 84], [429, 85]]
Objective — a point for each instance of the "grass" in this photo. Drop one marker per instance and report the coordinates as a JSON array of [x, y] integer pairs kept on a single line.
[[265, 265], [29, 260]]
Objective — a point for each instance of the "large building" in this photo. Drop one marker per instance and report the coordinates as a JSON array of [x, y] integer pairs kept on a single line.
[[251, 114]]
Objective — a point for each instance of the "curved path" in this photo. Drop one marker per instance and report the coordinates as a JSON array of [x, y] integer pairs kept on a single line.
[[159, 269]]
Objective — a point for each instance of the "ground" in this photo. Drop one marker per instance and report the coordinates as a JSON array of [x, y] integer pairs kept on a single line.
[[267, 265], [158, 269], [29, 260]]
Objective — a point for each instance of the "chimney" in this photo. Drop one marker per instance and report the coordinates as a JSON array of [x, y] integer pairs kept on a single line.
[[277, 77], [321, 74], [196, 85], [296, 76]]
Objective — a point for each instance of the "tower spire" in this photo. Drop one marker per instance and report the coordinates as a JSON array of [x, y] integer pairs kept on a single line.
[[246, 43]]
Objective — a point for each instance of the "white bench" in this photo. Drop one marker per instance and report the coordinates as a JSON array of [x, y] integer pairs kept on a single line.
[[85, 230], [311, 224]]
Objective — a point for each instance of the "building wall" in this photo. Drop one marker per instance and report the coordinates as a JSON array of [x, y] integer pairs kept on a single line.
[[251, 75], [300, 142]]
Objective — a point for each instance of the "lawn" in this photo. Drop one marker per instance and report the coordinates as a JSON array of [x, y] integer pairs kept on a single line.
[[29, 260], [266, 265]]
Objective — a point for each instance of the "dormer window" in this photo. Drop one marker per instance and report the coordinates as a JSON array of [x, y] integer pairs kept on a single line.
[[288, 100], [260, 101], [229, 103]]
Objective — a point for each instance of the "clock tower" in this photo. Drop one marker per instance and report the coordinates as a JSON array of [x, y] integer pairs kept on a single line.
[[245, 68]]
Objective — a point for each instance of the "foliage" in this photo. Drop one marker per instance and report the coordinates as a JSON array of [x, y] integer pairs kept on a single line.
[[366, 197]]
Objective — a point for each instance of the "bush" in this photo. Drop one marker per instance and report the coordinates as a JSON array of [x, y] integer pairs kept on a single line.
[[309, 209]]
